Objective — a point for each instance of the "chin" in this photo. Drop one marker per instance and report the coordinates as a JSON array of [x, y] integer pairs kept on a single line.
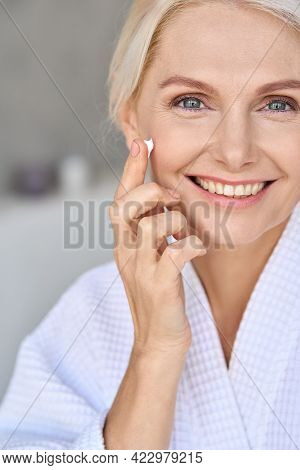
[[236, 238], [227, 227], [232, 234]]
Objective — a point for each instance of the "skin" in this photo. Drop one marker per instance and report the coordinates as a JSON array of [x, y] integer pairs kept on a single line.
[[249, 142]]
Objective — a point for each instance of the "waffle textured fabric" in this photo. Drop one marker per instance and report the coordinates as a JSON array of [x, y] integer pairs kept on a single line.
[[69, 368]]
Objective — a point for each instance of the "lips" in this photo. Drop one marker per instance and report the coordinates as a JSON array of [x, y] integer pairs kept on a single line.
[[237, 202], [236, 190]]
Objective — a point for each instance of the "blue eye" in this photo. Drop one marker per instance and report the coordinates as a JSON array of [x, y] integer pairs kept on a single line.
[[279, 105], [191, 103]]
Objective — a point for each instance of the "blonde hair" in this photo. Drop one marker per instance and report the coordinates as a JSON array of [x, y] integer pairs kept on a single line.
[[140, 36]]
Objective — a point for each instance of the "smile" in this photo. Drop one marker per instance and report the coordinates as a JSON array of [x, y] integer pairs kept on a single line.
[[238, 190], [241, 194]]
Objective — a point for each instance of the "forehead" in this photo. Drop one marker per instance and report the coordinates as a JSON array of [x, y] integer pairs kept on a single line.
[[230, 39]]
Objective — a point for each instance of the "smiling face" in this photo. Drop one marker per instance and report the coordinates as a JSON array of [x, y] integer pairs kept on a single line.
[[228, 130]]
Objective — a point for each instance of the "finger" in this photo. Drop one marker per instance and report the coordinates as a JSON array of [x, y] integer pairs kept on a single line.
[[142, 200], [164, 244], [162, 248], [177, 254], [186, 230], [152, 231], [125, 213], [158, 209], [134, 169]]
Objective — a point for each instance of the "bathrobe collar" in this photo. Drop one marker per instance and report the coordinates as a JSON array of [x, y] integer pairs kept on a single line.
[[241, 399]]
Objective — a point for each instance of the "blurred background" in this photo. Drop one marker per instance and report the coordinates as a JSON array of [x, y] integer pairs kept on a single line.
[[54, 59]]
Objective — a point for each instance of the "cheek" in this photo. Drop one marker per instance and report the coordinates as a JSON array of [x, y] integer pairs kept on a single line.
[[177, 143], [173, 150], [281, 143], [292, 164], [288, 160], [294, 175]]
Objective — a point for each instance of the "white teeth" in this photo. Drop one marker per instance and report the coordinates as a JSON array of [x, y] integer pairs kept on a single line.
[[219, 188], [248, 189], [239, 190], [211, 187], [228, 190]]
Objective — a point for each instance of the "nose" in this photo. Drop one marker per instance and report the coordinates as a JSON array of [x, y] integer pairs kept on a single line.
[[234, 148]]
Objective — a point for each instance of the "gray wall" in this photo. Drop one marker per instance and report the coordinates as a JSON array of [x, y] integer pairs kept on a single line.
[[74, 39]]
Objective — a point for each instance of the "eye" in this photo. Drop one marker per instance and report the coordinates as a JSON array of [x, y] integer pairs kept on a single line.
[[190, 103], [279, 105]]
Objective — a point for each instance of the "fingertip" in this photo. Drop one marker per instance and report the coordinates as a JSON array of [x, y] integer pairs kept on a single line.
[[135, 148]]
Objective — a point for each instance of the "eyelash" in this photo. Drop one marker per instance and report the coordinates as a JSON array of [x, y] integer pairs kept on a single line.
[[174, 103]]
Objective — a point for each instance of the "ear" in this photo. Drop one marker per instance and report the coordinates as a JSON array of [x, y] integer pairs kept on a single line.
[[129, 122]]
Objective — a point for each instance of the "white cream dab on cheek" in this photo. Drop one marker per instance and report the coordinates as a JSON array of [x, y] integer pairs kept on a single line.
[[150, 146]]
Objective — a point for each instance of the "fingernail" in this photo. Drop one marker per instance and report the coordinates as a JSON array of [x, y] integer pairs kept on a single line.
[[135, 149], [174, 193]]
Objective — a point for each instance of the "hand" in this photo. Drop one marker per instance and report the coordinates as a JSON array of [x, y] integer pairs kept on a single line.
[[149, 267]]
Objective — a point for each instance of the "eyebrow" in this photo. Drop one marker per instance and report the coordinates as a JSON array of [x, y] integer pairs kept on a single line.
[[191, 83]]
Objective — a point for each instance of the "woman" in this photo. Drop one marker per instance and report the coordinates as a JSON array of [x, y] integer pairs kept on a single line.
[[193, 344]]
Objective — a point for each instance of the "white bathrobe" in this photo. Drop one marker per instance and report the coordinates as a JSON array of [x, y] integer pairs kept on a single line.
[[69, 368]]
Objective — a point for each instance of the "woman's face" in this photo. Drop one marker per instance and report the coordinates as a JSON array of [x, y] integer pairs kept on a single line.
[[229, 129]]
